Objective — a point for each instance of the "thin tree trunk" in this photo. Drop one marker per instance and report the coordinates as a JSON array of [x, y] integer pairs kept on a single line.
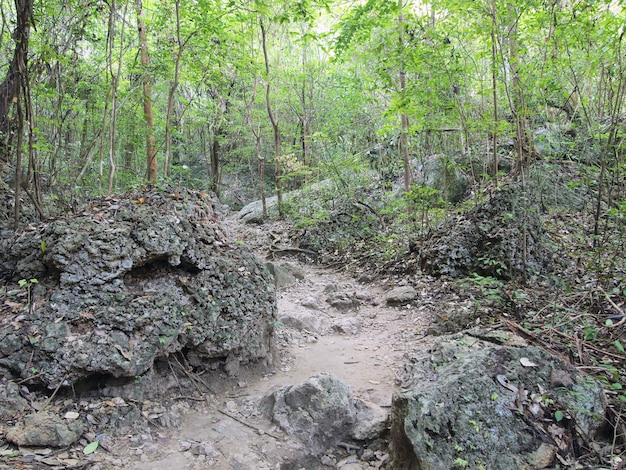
[[172, 92], [494, 85], [33, 164], [214, 151], [256, 134], [524, 143], [305, 93], [18, 158], [404, 119], [11, 90], [147, 97], [273, 120], [10, 87], [115, 79]]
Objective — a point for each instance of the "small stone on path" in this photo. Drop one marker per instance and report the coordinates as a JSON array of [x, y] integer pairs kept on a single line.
[[401, 295]]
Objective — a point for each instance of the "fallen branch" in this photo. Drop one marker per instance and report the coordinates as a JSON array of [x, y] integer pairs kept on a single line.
[[616, 307], [194, 378], [240, 421], [532, 337]]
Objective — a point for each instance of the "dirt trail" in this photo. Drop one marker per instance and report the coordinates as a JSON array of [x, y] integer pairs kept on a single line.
[[363, 346]]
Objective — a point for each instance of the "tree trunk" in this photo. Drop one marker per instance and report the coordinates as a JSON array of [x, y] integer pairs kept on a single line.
[[115, 79], [10, 87], [306, 100], [215, 161], [494, 84], [147, 97], [524, 143], [170, 96], [11, 90], [256, 134], [18, 158], [274, 121], [404, 119]]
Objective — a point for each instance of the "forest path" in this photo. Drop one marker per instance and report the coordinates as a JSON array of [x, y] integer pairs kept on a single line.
[[363, 346]]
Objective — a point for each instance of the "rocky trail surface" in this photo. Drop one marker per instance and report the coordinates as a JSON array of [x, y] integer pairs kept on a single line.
[[328, 322]]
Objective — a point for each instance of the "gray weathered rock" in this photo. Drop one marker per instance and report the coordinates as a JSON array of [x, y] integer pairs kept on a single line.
[[300, 320], [401, 295], [502, 238], [463, 401], [126, 283], [371, 421], [347, 225], [312, 302], [11, 402], [347, 326], [253, 213], [444, 173], [285, 274], [343, 301], [321, 412], [45, 429]]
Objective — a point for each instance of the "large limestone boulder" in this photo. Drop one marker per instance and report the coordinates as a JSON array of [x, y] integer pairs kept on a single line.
[[129, 281], [480, 400], [444, 173], [502, 238], [347, 225]]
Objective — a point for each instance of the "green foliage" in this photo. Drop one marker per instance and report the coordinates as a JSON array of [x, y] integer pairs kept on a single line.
[[361, 21], [491, 287], [461, 463], [428, 203], [91, 447], [558, 416]]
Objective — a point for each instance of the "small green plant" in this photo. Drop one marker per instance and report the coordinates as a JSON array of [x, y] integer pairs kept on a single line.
[[590, 333], [276, 324], [491, 287], [475, 424], [28, 283], [461, 463], [492, 266]]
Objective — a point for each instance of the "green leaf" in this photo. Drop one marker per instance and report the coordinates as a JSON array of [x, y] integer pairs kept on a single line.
[[608, 322], [618, 345], [90, 448], [558, 415]]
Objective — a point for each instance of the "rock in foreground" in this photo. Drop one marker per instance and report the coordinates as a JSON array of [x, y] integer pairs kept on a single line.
[[129, 281], [322, 411], [472, 403]]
